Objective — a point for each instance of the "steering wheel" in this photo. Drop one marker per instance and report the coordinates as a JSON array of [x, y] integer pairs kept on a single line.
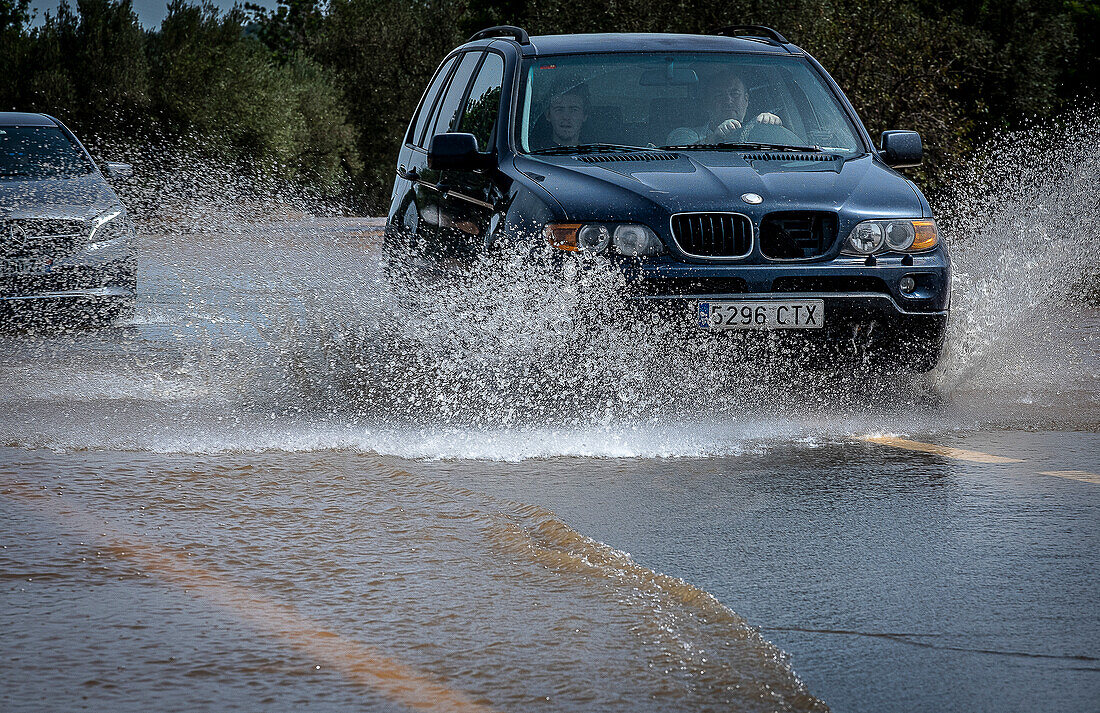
[[756, 132]]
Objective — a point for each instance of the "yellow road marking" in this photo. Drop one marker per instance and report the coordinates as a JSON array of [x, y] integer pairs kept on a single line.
[[1083, 475], [947, 452], [360, 664]]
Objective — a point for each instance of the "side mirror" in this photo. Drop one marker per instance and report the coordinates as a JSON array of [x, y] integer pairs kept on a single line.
[[902, 149], [457, 151], [117, 170]]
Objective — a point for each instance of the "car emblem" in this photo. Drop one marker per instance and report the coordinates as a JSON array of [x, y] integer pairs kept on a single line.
[[752, 198], [18, 235]]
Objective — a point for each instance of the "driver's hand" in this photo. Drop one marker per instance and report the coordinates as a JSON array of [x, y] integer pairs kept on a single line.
[[726, 128], [766, 118]]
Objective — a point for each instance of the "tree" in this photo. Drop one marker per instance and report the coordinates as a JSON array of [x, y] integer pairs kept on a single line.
[[383, 52]]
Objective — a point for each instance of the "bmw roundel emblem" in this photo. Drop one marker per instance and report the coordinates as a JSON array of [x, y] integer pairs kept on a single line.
[[17, 234], [752, 198]]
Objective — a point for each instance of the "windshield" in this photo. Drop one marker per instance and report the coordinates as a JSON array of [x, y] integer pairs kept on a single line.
[[40, 152], [697, 100]]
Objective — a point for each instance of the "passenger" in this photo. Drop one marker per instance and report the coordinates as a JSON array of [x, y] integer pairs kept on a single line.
[[566, 114], [726, 105]]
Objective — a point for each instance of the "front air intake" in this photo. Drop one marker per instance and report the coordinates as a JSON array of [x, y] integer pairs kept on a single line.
[[22, 238], [617, 157], [815, 157], [797, 235], [713, 235]]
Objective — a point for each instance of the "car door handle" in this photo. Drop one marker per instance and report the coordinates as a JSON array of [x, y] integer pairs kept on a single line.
[[442, 188], [409, 175]]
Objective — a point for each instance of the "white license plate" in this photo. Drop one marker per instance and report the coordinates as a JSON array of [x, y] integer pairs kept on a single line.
[[24, 265], [772, 314]]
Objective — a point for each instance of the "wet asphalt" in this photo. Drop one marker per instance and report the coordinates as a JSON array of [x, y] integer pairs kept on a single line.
[[892, 578], [896, 580]]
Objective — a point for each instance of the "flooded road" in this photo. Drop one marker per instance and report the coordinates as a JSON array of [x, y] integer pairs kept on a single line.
[[202, 510], [305, 477]]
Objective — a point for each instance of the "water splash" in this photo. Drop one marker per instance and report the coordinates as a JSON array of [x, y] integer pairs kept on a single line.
[[284, 334], [185, 185], [1022, 220]]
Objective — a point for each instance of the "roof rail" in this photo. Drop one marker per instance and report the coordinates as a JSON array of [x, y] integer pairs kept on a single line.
[[517, 33], [751, 31]]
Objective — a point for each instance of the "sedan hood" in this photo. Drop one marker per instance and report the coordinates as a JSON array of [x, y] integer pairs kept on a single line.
[[628, 187], [80, 198]]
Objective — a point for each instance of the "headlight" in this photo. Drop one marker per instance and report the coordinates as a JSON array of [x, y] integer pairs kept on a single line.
[[593, 237], [875, 236], [637, 241], [866, 238], [629, 239], [109, 227]]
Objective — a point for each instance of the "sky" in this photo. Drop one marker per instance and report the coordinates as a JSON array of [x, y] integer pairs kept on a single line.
[[149, 12]]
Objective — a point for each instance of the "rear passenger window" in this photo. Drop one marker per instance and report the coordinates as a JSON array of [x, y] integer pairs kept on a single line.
[[483, 104], [416, 130], [447, 115]]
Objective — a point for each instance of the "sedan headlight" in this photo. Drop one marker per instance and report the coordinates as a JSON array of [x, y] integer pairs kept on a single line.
[[903, 236], [109, 227], [630, 239]]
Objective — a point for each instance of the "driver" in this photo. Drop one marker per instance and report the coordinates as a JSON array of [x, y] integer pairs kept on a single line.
[[726, 104], [566, 114]]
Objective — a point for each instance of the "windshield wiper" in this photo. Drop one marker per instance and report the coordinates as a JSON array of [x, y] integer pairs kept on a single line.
[[587, 148], [741, 147]]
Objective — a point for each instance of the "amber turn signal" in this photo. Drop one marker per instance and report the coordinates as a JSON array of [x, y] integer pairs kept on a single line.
[[562, 236], [926, 235]]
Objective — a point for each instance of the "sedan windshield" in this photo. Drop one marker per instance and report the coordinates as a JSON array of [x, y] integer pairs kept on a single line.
[[40, 152], [700, 101]]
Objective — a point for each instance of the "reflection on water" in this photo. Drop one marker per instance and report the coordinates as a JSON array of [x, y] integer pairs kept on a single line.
[[501, 601]]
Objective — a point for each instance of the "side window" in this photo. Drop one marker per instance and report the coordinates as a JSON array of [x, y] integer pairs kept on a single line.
[[416, 130], [483, 104], [447, 116]]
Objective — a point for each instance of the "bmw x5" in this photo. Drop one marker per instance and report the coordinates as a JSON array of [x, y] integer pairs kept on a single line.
[[726, 175]]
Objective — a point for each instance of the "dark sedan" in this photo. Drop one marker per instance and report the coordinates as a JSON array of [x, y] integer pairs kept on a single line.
[[64, 234], [727, 175]]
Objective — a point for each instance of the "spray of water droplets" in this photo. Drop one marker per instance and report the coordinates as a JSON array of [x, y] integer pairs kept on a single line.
[[287, 332]]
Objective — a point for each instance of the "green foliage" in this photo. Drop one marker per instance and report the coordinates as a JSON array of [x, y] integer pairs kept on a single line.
[[200, 74], [289, 28], [320, 92], [1082, 77], [383, 53], [209, 76], [86, 66]]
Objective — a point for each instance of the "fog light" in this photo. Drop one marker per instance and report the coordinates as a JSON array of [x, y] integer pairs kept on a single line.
[[907, 285]]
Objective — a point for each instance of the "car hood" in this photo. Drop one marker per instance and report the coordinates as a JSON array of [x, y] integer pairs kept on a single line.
[[628, 187], [80, 198]]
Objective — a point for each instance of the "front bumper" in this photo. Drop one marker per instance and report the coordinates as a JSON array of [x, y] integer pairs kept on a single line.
[[863, 301], [108, 275], [845, 313], [841, 277], [79, 289]]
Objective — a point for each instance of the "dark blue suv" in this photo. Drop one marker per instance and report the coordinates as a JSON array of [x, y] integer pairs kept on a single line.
[[727, 175]]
